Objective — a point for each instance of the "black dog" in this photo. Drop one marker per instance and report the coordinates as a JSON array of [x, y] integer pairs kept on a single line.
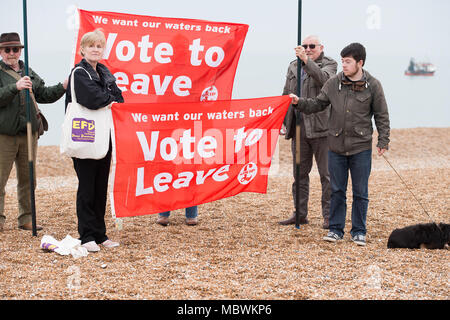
[[428, 236]]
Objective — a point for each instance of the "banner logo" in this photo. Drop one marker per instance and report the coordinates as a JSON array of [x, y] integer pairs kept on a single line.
[[248, 173], [209, 94]]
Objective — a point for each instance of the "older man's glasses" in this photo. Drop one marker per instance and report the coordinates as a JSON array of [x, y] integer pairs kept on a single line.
[[15, 50], [311, 46]]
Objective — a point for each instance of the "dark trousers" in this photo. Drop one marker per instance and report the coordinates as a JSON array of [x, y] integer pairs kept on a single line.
[[91, 197], [317, 147], [359, 166]]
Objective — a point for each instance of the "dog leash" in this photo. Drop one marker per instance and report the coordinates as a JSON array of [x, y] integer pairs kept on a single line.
[[407, 187]]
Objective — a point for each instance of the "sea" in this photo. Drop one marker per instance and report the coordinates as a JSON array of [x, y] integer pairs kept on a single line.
[[413, 101]]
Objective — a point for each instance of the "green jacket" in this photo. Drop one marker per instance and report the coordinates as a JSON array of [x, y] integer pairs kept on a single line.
[[350, 123], [316, 74], [13, 118]]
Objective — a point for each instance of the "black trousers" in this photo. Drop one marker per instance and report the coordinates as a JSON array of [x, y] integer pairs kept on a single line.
[[91, 197]]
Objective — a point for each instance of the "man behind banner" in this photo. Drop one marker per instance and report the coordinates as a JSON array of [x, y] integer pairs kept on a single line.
[[316, 70]]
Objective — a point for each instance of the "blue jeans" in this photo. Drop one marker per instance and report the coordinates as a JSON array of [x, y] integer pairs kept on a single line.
[[359, 166], [191, 212]]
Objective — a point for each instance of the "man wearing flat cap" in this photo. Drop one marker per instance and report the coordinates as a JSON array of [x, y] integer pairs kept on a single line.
[[13, 122]]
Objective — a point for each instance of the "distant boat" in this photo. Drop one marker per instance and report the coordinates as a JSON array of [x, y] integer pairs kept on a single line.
[[420, 69]]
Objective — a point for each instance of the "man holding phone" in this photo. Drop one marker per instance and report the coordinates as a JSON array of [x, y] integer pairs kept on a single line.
[[316, 70]]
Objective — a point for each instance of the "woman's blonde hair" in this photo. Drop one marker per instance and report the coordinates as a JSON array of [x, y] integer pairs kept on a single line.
[[92, 37]]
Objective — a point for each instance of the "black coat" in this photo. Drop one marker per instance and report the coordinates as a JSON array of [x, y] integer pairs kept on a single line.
[[93, 91]]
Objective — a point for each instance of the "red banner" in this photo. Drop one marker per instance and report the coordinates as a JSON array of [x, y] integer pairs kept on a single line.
[[171, 156], [167, 59]]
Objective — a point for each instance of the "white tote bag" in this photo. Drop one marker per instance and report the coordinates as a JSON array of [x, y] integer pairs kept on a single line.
[[85, 132]]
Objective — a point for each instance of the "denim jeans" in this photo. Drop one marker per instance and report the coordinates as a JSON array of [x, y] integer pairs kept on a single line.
[[191, 212], [359, 166]]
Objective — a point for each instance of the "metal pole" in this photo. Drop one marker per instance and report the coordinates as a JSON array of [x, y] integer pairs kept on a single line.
[[297, 123], [29, 127]]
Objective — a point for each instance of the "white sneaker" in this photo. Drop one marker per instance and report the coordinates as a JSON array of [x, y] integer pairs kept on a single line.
[[110, 244], [91, 246], [332, 237], [359, 239]]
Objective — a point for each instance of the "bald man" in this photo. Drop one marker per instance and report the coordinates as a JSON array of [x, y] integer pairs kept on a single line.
[[316, 70]]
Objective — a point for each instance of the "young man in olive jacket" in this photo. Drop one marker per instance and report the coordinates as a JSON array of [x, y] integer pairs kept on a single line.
[[316, 70], [13, 122], [355, 98]]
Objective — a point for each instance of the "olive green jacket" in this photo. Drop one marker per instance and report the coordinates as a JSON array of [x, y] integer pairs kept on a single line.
[[316, 74], [350, 123], [13, 119]]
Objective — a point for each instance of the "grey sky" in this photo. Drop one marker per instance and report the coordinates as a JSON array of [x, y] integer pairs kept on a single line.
[[392, 31]]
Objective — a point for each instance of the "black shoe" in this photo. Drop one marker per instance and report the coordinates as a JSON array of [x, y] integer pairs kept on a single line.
[[303, 221], [29, 226], [164, 221], [291, 220]]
